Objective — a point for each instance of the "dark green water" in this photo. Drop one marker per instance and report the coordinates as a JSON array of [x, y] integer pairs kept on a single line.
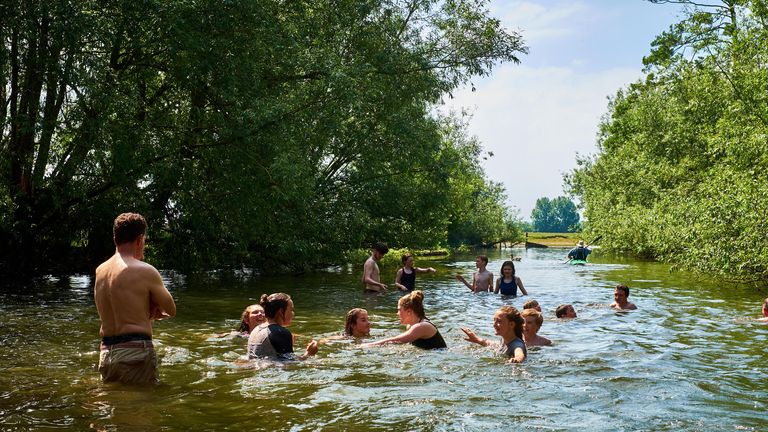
[[691, 357]]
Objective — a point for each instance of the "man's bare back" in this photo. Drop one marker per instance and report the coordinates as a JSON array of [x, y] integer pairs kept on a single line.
[[129, 294]]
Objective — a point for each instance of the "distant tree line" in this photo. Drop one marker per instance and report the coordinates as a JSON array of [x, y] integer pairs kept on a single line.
[[682, 169], [253, 133], [555, 215]]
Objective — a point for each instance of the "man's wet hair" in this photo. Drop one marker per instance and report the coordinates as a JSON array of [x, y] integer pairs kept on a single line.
[[128, 227]]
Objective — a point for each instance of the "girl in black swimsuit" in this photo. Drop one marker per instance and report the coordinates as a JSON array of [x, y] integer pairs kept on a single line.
[[420, 332]]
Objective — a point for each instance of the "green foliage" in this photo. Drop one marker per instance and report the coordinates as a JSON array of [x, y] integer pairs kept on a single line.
[[555, 215], [681, 173], [259, 133]]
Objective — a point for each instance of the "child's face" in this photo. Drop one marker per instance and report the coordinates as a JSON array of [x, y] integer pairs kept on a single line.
[[507, 270], [362, 326], [619, 296], [530, 324], [502, 325]]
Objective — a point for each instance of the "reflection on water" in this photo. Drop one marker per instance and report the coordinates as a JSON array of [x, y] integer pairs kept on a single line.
[[690, 358]]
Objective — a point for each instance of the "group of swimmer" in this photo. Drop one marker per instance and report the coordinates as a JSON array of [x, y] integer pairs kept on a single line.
[[130, 295], [269, 337]]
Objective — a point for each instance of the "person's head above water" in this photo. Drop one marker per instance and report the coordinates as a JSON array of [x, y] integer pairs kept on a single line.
[[128, 227], [357, 324], [532, 304], [507, 321], [411, 303], [252, 316], [509, 266], [278, 307], [565, 311], [379, 250]]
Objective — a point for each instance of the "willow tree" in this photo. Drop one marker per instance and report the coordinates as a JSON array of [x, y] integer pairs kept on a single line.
[[249, 132]]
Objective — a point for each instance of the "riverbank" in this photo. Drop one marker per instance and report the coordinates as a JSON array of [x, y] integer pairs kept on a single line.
[[553, 239]]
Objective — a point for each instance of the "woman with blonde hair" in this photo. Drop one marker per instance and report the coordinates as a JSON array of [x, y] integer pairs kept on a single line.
[[508, 324], [420, 332]]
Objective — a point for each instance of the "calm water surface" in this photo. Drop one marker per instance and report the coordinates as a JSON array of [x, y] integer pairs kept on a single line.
[[691, 357]]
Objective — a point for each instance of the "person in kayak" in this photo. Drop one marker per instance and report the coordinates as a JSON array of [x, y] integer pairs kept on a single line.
[[580, 252]]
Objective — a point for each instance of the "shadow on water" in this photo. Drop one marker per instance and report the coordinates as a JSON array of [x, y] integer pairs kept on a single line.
[[690, 358]]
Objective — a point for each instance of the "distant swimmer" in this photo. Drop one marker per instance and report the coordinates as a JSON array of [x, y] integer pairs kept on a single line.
[[565, 311], [129, 295], [482, 279], [405, 279], [580, 252], [507, 323], [620, 295], [420, 331], [508, 282], [371, 279]]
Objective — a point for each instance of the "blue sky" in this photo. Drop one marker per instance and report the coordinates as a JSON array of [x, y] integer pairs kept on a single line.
[[536, 116]]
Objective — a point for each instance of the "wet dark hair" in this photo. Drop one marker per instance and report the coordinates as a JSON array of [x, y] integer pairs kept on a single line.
[[352, 320], [128, 227], [273, 303], [513, 315], [380, 247], [507, 263], [623, 288], [405, 257], [561, 310], [413, 301]]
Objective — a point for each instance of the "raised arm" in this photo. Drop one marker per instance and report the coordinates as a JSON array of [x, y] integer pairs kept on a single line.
[[472, 337], [460, 278], [425, 270]]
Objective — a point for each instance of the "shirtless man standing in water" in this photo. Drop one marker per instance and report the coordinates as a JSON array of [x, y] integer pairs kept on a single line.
[[129, 294], [482, 280], [371, 278]]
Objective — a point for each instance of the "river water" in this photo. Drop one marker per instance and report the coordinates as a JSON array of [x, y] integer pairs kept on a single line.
[[690, 358]]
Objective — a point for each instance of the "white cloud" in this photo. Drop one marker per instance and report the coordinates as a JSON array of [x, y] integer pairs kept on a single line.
[[538, 22], [535, 120]]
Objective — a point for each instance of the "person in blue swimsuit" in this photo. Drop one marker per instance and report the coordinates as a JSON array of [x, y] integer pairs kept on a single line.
[[421, 332], [508, 283], [405, 279]]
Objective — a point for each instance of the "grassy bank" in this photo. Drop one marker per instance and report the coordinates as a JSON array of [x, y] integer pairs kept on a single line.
[[555, 239]]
